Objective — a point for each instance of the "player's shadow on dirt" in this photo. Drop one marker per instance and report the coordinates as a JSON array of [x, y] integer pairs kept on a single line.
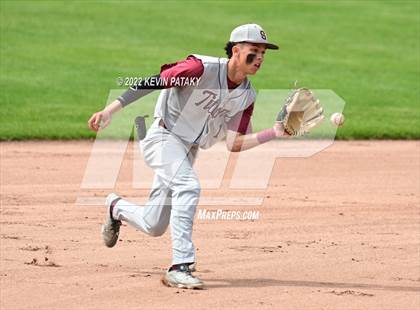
[[220, 283], [262, 282]]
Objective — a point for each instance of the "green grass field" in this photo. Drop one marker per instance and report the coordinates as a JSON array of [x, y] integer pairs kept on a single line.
[[59, 60]]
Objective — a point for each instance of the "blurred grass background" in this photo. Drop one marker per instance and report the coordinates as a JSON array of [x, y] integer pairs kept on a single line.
[[60, 59]]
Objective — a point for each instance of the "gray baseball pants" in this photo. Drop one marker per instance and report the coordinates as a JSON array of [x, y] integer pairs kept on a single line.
[[174, 196]]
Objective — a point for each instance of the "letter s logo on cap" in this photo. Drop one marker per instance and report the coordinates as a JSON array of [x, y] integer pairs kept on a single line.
[[263, 35]]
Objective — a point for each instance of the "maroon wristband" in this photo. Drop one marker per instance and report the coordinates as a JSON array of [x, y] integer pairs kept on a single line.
[[266, 135]]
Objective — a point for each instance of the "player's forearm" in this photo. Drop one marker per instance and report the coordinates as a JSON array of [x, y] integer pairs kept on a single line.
[[245, 142], [115, 106], [249, 141]]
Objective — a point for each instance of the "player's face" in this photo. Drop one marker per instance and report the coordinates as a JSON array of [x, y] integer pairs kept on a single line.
[[251, 57]]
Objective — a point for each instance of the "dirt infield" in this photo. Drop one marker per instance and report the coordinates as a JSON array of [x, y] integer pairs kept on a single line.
[[339, 230]]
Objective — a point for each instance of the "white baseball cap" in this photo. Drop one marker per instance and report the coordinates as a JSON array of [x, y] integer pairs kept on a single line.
[[251, 33]]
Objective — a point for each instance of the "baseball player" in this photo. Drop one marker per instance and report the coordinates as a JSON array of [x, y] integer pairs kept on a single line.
[[189, 116]]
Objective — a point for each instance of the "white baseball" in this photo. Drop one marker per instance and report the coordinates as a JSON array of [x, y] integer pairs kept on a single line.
[[337, 119]]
